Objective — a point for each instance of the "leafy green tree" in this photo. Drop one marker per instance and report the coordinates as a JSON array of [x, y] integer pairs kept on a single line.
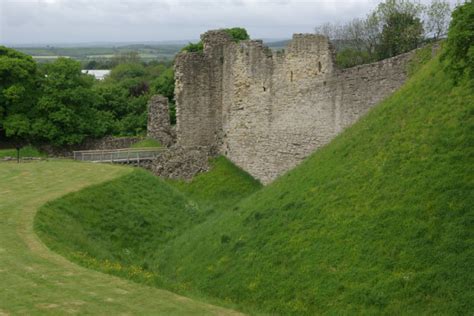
[[402, 29], [18, 93], [127, 71], [394, 27], [350, 57], [125, 93], [164, 85], [66, 112], [459, 51], [154, 69], [401, 33]]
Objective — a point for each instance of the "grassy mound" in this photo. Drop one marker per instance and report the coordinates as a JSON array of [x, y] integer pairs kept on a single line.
[[377, 222]]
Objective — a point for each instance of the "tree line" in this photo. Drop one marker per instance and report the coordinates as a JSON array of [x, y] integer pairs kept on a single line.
[[392, 28], [57, 104]]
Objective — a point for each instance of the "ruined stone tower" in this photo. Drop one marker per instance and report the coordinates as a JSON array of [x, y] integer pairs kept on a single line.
[[159, 125], [267, 111]]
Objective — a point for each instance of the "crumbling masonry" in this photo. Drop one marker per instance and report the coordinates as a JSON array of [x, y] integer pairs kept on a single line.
[[267, 111]]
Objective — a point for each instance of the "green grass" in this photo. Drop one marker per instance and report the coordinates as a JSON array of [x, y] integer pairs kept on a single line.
[[37, 281], [147, 142], [139, 213], [220, 188], [377, 222], [27, 151]]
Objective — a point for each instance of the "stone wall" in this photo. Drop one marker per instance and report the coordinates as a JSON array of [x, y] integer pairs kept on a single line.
[[181, 162], [159, 126], [267, 111]]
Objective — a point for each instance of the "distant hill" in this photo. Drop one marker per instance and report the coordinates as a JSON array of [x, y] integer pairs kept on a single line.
[[278, 44], [148, 51]]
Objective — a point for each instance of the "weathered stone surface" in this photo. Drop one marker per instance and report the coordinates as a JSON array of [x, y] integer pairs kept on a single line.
[[181, 162], [268, 111], [159, 126]]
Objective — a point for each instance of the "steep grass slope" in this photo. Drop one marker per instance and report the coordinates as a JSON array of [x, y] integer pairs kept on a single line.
[[221, 188], [120, 220], [378, 221]]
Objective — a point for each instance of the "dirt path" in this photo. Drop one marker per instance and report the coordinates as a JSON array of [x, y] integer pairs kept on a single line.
[[35, 280]]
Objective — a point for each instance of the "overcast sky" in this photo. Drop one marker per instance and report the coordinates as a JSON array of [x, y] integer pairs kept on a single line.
[[76, 21]]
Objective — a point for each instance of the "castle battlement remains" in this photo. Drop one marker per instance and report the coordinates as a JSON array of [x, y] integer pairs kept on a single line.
[[267, 111]]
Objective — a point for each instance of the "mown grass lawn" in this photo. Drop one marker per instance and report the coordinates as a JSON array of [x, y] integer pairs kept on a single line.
[[34, 280], [27, 151]]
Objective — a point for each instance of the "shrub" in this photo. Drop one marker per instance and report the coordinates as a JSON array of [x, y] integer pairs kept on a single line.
[[459, 52]]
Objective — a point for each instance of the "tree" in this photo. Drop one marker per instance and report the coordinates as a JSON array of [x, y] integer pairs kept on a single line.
[[127, 71], [402, 29], [18, 93], [401, 33], [437, 18], [350, 57], [372, 31], [164, 85], [394, 27], [459, 51], [333, 31], [66, 112]]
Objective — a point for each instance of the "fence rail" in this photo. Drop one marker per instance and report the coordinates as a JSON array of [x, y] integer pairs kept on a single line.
[[127, 155]]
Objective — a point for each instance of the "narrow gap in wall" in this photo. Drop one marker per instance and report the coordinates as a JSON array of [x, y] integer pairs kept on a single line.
[[291, 76]]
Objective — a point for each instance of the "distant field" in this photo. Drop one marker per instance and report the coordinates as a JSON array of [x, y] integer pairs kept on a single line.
[[146, 52], [142, 55], [49, 57]]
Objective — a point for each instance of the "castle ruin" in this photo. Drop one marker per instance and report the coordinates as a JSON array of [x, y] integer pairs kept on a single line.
[[267, 111]]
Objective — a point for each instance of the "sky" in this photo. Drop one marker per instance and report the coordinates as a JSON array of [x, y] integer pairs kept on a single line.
[[85, 21]]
